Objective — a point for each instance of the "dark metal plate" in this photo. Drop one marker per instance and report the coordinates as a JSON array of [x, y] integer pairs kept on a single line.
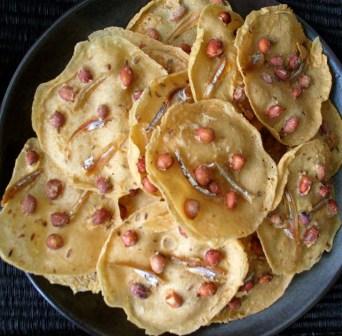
[[43, 62]]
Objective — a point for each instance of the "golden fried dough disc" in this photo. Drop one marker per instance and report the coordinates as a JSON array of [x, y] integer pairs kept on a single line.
[[209, 164], [77, 283], [286, 76], [331, 133], [170, 21], [47, 226], [261, 288], [81, 117], [172, 59], [305, 222], [179, 293], [148, 112], [213, 70]]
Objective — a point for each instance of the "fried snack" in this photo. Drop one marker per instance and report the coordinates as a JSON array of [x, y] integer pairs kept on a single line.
[[304, 223], [286, 75], [164, 280], [209, 164], [153, 178], [77, 283], [81, 117], [147, 114], [213, 70], [172, 59], [170, 21], [261, 287], [331, 133], [47, 226]]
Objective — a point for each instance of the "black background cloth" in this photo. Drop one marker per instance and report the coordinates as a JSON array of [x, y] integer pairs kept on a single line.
[[22, 310]]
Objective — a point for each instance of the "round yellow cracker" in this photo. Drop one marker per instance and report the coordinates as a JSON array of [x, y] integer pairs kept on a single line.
[[157, 13], [280, 25], [157, 231], [215, 77], [84, 155], [283, 246], [258, 179], [23, 237]]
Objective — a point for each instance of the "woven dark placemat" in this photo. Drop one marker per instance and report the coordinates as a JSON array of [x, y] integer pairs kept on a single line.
[[22, 310]]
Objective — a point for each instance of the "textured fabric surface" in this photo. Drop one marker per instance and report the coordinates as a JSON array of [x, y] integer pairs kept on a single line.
[[22, 310]]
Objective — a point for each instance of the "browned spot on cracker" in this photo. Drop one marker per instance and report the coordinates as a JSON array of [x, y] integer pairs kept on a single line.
[[69, 252]]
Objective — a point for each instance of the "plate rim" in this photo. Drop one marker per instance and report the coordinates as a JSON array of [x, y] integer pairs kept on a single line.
[[336, 64], [30, 52]]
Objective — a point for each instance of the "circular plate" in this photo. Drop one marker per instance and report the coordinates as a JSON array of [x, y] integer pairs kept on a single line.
[[44, 61]]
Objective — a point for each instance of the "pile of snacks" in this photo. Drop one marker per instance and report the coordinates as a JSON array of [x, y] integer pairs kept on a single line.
[[182, 166]]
